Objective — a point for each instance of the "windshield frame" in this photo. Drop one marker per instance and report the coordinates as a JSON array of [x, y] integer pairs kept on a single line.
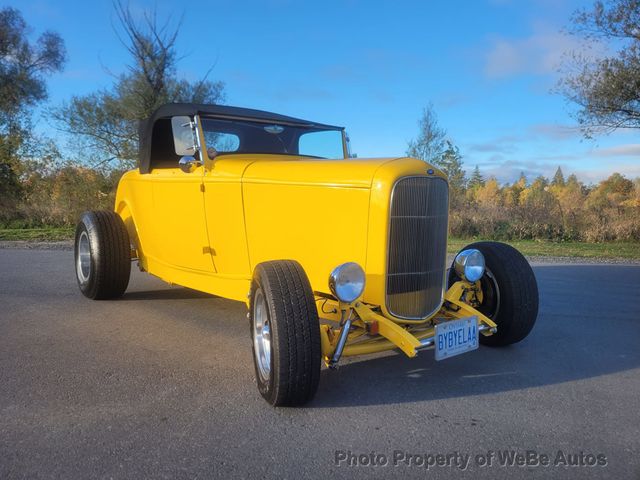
[[311, 127]]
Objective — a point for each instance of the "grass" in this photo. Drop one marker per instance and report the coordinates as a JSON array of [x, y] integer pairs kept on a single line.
[[44, 234], [535, 248], [541, 248]]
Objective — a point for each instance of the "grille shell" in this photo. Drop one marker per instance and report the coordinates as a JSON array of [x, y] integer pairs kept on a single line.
[[417, 247]]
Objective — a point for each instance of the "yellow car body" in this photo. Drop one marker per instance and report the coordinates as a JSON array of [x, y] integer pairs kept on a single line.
[[208, 227]]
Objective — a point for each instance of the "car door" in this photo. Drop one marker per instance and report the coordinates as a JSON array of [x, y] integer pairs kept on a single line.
[[225, 217], [180, 228]]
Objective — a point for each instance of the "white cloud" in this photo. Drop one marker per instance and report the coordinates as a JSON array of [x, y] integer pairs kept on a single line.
[[492, 147], [594, 175], [555, 132], [508, 170], [540, 53], [632, 149]]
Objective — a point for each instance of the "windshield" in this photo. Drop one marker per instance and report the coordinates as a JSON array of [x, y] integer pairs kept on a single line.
[[245, 136]]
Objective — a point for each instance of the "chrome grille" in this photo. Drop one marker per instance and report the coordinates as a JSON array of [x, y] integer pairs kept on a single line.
[[417, 246]]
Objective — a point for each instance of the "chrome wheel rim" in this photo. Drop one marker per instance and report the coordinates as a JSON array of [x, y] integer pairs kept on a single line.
[[492, 313], [83, 260], [261, 336]]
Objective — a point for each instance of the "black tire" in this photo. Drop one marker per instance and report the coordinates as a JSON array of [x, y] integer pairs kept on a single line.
[[513, 306], [281, 297], [104, 272]]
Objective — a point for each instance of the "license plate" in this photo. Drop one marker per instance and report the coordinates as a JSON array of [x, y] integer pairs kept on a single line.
[[455, 337]]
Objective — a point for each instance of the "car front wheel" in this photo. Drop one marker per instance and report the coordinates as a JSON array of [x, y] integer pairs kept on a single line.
[[285, 330], [509, 291]]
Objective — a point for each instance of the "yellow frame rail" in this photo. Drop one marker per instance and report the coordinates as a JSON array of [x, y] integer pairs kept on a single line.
[[372, 332]]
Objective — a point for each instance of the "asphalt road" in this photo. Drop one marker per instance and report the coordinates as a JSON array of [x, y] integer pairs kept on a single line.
[[160, 385]]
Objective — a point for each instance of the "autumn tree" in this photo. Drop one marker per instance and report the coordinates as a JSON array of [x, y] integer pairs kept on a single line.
[[106, 121], [606, 88], [512, 193], [537, 195], [635, 199], [489, 194], [571, 200], [613, 192]]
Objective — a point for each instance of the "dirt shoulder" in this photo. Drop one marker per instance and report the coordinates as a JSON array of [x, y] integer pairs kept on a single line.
[[31, 245]]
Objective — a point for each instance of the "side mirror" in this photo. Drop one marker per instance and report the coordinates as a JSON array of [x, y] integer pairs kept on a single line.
[[184, 139], [188, 163]]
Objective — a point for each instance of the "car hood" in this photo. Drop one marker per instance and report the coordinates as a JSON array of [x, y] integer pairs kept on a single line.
[[356, 172]]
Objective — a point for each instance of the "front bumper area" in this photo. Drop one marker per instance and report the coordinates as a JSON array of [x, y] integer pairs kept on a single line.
[[372, 332]]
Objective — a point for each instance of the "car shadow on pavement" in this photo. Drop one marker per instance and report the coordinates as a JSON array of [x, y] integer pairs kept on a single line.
[[587, 326]]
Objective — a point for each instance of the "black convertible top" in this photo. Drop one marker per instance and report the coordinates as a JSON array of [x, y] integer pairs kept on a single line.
[[150, 127]]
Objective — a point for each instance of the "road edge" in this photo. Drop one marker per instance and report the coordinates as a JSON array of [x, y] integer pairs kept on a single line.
[[535, 260]]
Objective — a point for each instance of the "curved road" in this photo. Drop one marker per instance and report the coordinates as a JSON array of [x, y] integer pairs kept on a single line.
[[160, 385]]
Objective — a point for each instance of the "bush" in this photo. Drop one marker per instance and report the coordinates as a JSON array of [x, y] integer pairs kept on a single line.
[[58, 197], [561, 211]]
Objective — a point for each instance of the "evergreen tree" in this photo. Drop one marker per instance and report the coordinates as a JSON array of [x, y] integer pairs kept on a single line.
[[451, 163], [476, 180], [558, 178]]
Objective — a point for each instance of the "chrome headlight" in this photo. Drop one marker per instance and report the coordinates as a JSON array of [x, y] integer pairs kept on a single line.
[[469, 265], [347, 282]]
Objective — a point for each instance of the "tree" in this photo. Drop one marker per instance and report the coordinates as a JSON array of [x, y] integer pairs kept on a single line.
[[612, 192], [558, 178], [431, 141], [522, 181], [635, 201], [24, 67], [451, 164], [606, 88], [536, 193], [432, 146], [573, 180], [107, 121], [571, 199], [476, 180], [489, 194], [513, 193]]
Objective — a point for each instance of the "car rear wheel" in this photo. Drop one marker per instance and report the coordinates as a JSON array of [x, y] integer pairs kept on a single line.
[[509, 290], [102, 255], [285, 330]]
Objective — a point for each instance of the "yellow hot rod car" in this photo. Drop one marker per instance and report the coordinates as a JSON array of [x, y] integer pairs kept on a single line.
[[334, 256]]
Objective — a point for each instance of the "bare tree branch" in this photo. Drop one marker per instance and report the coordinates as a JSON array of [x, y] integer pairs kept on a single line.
[[606, 89], [107, 121]]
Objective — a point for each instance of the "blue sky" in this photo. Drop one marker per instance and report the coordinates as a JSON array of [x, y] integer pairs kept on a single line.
[[487, 67]]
